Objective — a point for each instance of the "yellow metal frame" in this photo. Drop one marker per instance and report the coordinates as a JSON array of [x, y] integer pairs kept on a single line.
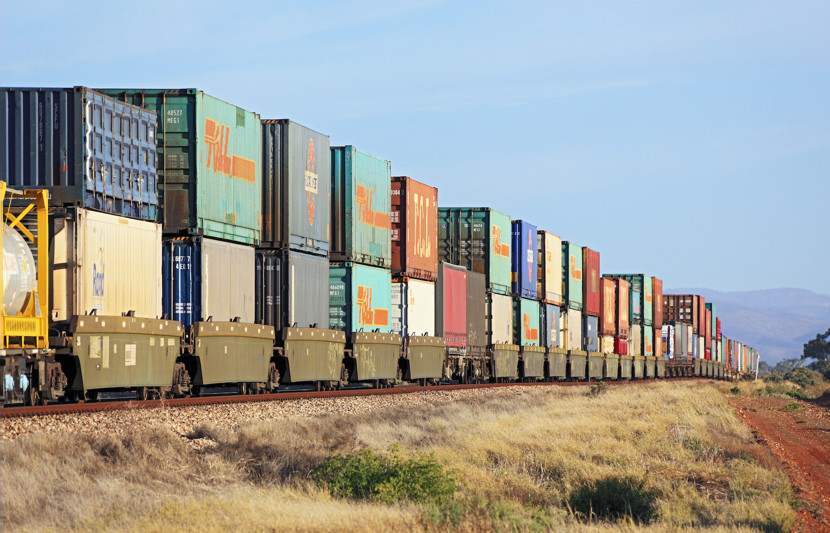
[[29, 328]]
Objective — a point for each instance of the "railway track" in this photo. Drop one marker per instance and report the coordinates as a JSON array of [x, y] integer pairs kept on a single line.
[[99, 406]]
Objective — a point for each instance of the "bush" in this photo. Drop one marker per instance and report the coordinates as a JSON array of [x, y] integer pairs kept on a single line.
[[735, 390], [774, 377], [599, 389], [367, 475], [613, 499], [822, 367], [804, 377]]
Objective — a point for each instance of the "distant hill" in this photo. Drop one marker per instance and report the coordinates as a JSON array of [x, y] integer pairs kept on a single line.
[[776, 321]]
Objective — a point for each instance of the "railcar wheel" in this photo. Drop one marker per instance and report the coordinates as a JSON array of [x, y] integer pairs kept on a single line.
[[242, 388], [142, 394]]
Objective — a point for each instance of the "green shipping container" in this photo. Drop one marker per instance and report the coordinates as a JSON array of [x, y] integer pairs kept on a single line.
[[210, 163], [526, 322], [477, 238], [642, 284], [360, 298], [361, 203], [572, 275]]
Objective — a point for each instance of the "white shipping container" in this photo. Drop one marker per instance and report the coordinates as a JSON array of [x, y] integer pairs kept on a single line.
[[549, 265], [571, 329], [228, 279], [607, 344], [635, 341], [413, 308], [668, 334], [701, 347], [104, 262], [500, 318]]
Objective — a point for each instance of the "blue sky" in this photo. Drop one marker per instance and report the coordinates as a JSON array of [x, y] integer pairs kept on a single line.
[[689, 140]]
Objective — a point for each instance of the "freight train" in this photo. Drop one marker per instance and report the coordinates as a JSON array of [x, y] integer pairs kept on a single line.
[[165, 242]]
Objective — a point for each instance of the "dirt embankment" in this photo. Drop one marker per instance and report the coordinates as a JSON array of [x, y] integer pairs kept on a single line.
[[798, 434]]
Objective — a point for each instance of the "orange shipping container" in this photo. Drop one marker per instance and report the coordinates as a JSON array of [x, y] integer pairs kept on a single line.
[[608, 309], [622, 308], [414, 223], [657, 290]]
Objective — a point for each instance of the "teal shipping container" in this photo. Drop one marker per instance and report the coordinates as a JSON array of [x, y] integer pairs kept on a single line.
[[361, 203], [713, 333], [526, 322], [477, 238], [642, 285], [572, 275], [360, 298], [210, 163]]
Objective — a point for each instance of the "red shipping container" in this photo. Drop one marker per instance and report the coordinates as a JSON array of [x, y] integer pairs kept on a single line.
[[623, 297], [608, 314], [590, 284], [701, 315], [657, 290], [451, 305], [717, 332], [708, 354], [708, 331], [414, 221], [620, 346]]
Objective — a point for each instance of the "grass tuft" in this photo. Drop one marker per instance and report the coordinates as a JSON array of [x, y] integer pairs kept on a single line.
[[614, 498]]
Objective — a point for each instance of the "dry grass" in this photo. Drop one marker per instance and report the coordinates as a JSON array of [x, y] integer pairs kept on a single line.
[[518, 457]]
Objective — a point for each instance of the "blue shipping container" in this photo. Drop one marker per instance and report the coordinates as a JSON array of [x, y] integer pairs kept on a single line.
[[88, 149], [550, 325], [590, 333], [523, 260]]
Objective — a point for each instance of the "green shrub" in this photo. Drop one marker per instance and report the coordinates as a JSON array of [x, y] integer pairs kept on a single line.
[[735, 390], [599, 389], [774, 377], [804, 377], [614, 498], [798, 394], [793, 406], [822, 367], [387, 479]]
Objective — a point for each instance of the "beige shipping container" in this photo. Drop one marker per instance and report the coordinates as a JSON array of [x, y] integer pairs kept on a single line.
[[104, 263], [635, 341], [571, 332], [500, 319], [549, 268], [606, 344]]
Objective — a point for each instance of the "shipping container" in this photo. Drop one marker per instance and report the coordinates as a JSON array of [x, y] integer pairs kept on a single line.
[[635, 307], [718, 334], [549, 268], [642, 286], [476, 314], [608, 315], [657, 302], [104, 263], [701, 315], [210, 163], [88, 149], [499, 319], [361, 199], [451, 306], [590, 286], [549, 325], [707, 334], [414, 234], [648, 341], [635, 342], [526, 322], [523, 264], [292, 289], [712, 309], [477, 238], [668, 339], [623, 309], [606, 344], [572, 275], [695, 347], [590, 333], [681, 308], [360, 298], [620, 346], [571, 333], [413, 307], [207, 278]]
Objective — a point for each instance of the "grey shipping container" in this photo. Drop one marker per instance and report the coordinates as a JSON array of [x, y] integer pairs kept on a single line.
[[291, 289], [476, 313], [88, 149], [296, 187], [549, 325]]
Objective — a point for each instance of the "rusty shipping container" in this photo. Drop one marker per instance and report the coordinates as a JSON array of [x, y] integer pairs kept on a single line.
[[451, 306], [590, 286], [296, 187], [87, 148], [701, 315], [414, 233], [476, 314], [608, 307], [657, 299], [681, 308], [210, 163], [361, 198], [549, 268]]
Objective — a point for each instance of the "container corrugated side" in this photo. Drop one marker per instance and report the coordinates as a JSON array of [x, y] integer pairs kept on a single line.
[[701, 315], [360, 298], [526, 322], [206, 278], [296, 187], [477, 238], [657, 298], [451, 305], [680, 308], [105, 263], [712, 308], [413, 307], [590, 286], [549, 327], [590, 333], [476, 314], [549, 268], [414, 235], [210, 163], [623, 317], [292, 288], [87, 148], [571, 333], [572, 275], [499, 319], [647, 341], [608, 315], [360, 207], [523, 259], [635, 341]]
